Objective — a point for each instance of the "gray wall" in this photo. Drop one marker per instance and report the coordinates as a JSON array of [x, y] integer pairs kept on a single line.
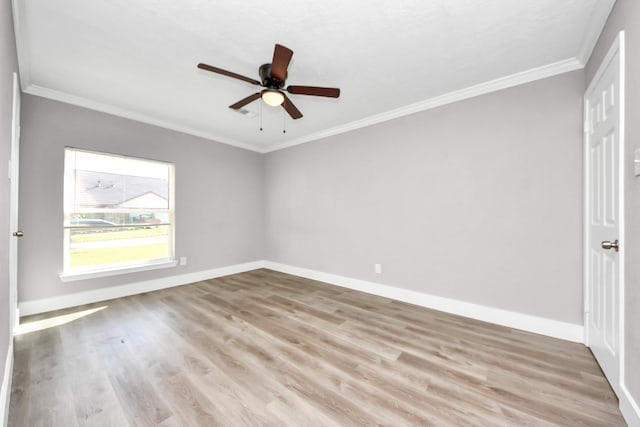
[[626, 16], [479, 201], [218, 193], [8, 64], [489, 211]]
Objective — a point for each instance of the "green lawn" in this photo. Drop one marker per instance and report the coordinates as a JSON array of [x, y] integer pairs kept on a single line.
[[95, 236], [84, 257]]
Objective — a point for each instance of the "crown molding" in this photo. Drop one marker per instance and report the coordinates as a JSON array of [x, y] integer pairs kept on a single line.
[[22, 44], [24, 69], [596, 25], [501, 83], [132, 115], [512, 80]]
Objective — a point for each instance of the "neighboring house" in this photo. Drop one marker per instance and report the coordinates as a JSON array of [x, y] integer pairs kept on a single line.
[[105, 190], [146, 200]]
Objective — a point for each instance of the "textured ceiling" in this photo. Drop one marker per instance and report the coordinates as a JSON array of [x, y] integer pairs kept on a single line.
[[138, 58]]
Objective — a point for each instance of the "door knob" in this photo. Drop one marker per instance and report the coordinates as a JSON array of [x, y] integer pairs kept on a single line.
[[18, 233], [610, 245]]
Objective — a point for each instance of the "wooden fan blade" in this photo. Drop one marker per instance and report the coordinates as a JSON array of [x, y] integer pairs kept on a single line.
[[291, 109], [329, 92], [245, 101], [281, 58], [228, 73]]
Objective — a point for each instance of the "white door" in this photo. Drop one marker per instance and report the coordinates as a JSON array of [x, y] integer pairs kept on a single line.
[[604, 237], [13, 206]]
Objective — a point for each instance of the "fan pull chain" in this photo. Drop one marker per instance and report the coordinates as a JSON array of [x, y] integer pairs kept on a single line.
[[260, 116], [284, 122]]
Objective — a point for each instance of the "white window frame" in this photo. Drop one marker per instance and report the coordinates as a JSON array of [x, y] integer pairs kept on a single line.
[[82, 273]]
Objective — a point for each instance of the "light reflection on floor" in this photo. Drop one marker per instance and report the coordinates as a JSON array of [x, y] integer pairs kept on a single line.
[[52, 322]]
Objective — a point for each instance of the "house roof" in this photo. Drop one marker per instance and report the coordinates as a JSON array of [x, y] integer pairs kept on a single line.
[[105, 190]]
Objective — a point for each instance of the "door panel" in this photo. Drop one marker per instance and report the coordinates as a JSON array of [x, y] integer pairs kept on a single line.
[[603, 220]]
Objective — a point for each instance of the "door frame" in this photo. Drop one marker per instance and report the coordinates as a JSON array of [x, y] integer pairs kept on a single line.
[[13, 206], [617, 47]]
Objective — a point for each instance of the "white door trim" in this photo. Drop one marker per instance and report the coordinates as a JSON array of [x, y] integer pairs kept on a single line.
[[13, 205], [5, 389], [618, 46]]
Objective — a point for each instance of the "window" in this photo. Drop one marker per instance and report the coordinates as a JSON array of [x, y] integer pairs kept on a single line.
[[118, 213]]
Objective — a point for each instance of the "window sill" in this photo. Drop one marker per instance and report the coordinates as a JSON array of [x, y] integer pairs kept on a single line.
[[94, 274]]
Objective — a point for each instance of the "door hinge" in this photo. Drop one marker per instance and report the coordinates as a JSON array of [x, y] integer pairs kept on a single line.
[[586, 126]]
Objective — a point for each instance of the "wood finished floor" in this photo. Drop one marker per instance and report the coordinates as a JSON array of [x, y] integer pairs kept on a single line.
[[267, 349]]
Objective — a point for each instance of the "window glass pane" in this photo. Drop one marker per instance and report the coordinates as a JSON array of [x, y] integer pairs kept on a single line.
[[100, 245], [118, 211], [103, 181]]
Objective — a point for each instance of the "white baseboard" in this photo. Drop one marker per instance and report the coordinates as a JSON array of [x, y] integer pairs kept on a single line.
[[71, 300], [5, 392], [525, 322], [629, 407]]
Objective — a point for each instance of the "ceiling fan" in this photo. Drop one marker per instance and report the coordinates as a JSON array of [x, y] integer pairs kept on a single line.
[[272, 78]]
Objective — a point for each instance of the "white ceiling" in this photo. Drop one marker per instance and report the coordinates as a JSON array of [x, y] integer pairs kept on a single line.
[[138, 58]]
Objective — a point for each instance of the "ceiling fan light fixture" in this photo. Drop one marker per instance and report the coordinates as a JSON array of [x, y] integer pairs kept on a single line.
[[272, 97]]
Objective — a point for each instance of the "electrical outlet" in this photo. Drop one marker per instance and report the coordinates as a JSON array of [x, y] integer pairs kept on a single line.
[[183, 260], [377, 268]]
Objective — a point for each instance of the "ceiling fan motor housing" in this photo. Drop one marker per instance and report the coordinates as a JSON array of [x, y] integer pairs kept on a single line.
[[267, 80]]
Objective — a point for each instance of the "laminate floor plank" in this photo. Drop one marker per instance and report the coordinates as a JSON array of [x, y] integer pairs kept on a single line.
[[232, 376], [86, 377], [484, 330], [170, 373], [286, 358], [265, 348], [20, 391], [338, 367], [321, 345], [51, 403], [309, 344]]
